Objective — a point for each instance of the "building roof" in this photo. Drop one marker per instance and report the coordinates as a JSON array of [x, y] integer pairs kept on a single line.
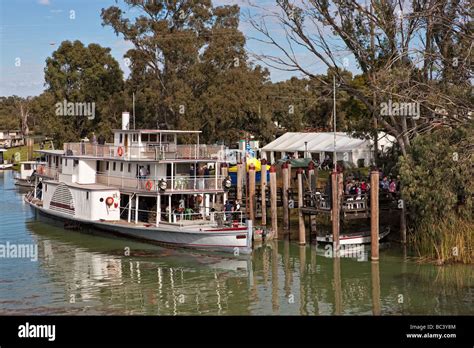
[[51, 152], [318, 142], [315, 142], [156, 131]]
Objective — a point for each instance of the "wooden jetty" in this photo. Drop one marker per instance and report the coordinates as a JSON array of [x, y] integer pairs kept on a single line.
[[310, 201]]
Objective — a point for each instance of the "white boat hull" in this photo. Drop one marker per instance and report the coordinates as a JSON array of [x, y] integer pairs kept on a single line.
[[24, 183], [351, 239], [6, 166], [236, 240]]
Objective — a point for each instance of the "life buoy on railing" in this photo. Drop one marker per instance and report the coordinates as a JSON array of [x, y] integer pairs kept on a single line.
[[120, 151], [109, 201], [149, 185]]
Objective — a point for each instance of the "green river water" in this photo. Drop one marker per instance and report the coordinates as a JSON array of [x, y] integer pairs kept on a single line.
[[77, 273]]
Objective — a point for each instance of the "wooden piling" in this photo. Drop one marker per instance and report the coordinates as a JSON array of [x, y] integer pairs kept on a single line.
[[224, 170], [375, 288], [275, 281], [239, 181], [312, 188], [289, 175], [284, 169], [302, 230], [263, 183], [29, 145], [273, 201], [374, 214], [337, 286], [335, 213], [251, 192], [311, 177], [302, 252]]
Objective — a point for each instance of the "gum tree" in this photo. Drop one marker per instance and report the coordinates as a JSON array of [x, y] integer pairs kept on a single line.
[[189, 68]]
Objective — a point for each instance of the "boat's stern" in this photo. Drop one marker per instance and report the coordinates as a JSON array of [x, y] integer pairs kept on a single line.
[[236, 239]]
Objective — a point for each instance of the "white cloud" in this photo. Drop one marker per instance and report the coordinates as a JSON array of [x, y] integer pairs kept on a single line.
[[44, 2]]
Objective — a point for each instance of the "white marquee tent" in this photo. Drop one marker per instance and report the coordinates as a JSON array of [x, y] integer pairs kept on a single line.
[[310, 144]]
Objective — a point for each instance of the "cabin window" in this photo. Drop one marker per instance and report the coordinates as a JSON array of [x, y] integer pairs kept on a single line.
[[121, 166], [145, 137], [167, 138], [75, 163], [129, 167], [152, 138], [27, 166], [87, 194], [114, 166], [120, 138], [107, 166], [65, 162]]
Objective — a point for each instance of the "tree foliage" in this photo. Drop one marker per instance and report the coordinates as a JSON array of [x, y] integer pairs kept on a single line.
[[190, 70], [78, 73]]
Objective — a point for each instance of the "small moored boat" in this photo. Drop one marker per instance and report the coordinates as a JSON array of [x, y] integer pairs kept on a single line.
[[25, 177], [352, 238], [3, 162]]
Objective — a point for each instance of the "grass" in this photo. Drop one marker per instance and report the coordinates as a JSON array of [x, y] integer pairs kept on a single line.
[[447, 241], [23, 151]]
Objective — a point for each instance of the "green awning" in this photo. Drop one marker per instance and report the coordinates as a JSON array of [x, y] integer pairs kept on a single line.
[[297, 162]]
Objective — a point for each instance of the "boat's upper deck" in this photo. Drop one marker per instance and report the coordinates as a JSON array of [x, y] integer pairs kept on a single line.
[[149, 145]]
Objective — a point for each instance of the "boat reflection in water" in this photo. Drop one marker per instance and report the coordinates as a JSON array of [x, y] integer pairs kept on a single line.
[[116, 276]]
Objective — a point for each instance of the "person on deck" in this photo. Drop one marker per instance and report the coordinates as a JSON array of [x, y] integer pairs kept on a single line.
[[236, 209], [399, 182], [384, 184], [392, 187], [228, 207], [142, 176], [201, 180], [363, 186]]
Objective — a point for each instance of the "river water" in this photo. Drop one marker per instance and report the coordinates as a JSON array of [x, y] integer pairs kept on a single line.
[[75, 273]]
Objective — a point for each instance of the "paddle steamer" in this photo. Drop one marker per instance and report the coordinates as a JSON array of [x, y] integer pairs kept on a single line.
[[152, 185]]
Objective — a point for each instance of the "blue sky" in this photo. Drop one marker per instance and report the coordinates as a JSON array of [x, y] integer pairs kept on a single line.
[[30, 30]]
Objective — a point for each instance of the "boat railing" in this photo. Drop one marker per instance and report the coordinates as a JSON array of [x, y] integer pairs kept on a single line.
[[185, 216], [220, 217], [355, 202], [155, 184], [146, 152], [48, 172], [317, 200]]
